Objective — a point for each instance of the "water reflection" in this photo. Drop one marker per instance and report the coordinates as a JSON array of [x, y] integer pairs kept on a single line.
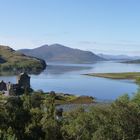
[[61, 69], [68, 78]]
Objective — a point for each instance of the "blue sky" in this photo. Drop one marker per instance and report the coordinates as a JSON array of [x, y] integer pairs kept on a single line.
[[101, 26]]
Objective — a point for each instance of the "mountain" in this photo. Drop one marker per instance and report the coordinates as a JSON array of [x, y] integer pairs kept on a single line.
[[11, 60], [118, 57], [60, 53]]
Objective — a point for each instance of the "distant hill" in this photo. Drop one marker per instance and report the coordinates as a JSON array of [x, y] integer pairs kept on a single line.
[[118, 57], [60, 53], [137, 61], [11, 60]]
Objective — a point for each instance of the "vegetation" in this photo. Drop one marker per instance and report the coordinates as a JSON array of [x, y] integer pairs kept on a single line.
[[33, 117], [61, 98], [126, 75], [12, 61]]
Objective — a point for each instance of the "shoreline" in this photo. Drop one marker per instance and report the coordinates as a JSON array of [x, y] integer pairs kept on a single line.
[[118, 76]]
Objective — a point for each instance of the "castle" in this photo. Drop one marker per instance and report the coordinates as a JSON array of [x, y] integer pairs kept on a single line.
[[23, 83]]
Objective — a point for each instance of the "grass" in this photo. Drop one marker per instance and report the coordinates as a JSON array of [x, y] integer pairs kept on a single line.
[[72, 99], [14, 61], [125, 75]]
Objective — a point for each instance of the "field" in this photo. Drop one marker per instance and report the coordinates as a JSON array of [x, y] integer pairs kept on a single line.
[[126, 75]]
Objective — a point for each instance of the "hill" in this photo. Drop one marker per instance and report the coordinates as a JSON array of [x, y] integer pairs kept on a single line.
[[59, 53], [119, 57], [137, 61], [13, 61]]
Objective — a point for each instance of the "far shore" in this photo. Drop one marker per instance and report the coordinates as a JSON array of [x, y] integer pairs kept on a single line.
[[120, 76]]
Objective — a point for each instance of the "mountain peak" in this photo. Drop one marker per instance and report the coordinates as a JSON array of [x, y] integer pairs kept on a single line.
[[56, 44], [62, 54]]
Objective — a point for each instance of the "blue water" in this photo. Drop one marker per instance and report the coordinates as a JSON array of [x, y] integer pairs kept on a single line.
[[68, 78]]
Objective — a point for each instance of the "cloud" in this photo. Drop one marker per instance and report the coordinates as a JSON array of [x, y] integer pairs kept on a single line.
[[113, 44], [86, 43], [116, 47]]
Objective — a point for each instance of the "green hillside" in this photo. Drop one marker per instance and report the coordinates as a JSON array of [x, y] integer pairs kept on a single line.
[[13, 61]]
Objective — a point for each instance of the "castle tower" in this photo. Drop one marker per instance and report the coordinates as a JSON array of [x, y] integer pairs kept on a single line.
[[23, 80]]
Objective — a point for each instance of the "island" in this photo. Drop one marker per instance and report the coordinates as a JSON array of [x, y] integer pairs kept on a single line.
[[13, 62]]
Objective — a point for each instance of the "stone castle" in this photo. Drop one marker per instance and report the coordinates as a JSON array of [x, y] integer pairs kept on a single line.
[[22, 85]]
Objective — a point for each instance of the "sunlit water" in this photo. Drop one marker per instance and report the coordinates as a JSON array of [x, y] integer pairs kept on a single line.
[[68, 78]]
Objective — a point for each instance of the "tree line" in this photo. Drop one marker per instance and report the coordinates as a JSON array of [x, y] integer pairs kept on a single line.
[[33, 117]]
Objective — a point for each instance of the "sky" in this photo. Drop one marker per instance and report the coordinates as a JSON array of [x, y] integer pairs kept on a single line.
[[100, 26]]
